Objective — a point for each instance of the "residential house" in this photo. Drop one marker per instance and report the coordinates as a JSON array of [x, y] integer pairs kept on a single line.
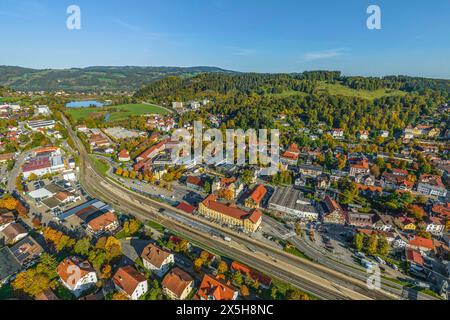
[[419, 243], [230, 186], [363, 135], [359, 167], [76, 275], [215, 289], [177, 284], [333, 213], [124, 156], [435, 225], [104, 223], [6, 218], [431, 185], [14, 233], [256, 196], [337, 133], [360, 220], [157, 260], [415, 259], [310, 170], [195, 183], [27, 251], [291, 155], [130, 282]]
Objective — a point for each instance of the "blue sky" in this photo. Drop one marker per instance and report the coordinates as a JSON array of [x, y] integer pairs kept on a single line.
[[242, 35]]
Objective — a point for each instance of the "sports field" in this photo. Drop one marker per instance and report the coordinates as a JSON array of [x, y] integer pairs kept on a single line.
[[118, 113]]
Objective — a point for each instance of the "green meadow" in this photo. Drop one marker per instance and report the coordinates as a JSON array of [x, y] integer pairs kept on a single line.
[[117, 113]]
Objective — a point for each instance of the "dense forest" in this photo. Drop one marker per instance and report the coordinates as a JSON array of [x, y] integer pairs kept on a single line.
[[258, 100]]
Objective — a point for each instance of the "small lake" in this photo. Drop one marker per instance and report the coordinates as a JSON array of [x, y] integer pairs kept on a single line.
[[85, 104]]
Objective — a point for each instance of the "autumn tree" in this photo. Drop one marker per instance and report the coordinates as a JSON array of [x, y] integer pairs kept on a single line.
[[383, 246], [359, 241], [198, 263], [8, 203], [237, 278], [372, 244], [294, 294], [119, 296], [106, 271], [245, 292], [82, 247], [222, 268]]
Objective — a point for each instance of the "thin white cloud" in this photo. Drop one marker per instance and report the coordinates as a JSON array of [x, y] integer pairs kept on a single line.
[[324, 54], [243, 52], [127, 25], [137, 30]]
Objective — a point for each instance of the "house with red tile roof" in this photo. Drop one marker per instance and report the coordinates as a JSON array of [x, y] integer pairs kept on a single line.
[[130, 282], [358, 167], [153, 151], [157, 260], [291, 155], [177, 284], [124, 156], [415, 258], [76, 275], [183, 206], [255, 198], [333, 212], [106, 222], [195, 183], [419, 243], [442, 210], [215, 289]]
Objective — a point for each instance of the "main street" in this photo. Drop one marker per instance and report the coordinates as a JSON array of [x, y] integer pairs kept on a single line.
[[311, 277]]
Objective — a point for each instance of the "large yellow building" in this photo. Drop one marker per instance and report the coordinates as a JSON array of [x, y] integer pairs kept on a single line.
[[231, 215]]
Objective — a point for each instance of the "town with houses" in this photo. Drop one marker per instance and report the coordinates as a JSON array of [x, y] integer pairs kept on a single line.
[[389, 210]]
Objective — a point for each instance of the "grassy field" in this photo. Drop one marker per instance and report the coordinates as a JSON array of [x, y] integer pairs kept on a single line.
[[340, 90], [101, 165], [117, 113]]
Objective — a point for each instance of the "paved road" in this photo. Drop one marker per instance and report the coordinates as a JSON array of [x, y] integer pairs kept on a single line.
[[324, 259], [323, 282]]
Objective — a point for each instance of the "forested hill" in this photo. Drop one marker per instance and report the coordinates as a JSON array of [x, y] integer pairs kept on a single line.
[[295, 101], [311, 82], [93, 78]]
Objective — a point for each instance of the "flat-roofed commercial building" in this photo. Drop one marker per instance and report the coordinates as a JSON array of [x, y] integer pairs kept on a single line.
[[291, 201]]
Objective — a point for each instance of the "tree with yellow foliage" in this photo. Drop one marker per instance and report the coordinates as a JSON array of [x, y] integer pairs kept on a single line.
[[106, 272], [8, 203], [245, 292], [119, 296], [119, 171]]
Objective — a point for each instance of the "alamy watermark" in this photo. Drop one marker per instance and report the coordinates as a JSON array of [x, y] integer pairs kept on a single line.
[[374, 20], [231, 150], [73, 22]]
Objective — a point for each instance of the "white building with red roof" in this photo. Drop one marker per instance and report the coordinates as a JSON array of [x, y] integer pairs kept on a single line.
[[130, 282]]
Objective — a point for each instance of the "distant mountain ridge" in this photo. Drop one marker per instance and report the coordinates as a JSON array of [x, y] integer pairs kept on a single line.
[[95, 78]]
